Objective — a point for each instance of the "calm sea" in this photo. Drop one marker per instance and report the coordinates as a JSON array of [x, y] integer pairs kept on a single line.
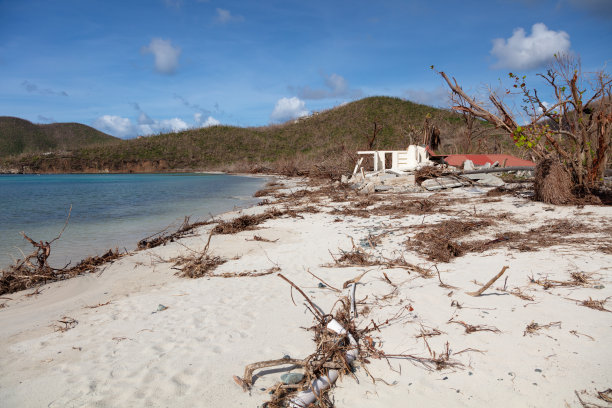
[[108, 210]]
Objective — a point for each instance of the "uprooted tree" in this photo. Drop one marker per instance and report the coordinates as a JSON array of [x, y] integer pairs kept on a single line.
[[573, 134]]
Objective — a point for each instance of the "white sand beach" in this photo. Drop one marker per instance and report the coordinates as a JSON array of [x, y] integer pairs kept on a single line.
[[527, 341]]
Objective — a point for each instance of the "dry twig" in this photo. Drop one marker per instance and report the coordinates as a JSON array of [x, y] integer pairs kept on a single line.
[[489, 283]]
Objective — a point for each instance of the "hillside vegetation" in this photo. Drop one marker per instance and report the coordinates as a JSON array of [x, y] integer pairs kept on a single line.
[[329, 138], [19, 136]]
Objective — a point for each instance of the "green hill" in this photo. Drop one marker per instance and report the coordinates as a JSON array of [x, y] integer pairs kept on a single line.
[[328, 138], [18, 136]]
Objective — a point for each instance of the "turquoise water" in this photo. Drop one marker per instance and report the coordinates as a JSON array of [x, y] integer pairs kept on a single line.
[[108, 210]]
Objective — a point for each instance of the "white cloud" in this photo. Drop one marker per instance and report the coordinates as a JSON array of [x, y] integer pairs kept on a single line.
[[225, 16], [335, 86], [210, 121], [162, 126], [125, 128], [546, 106], [166, 56], [288, 108], [115, 125], [437, 97], [523, 51], [146, 125]]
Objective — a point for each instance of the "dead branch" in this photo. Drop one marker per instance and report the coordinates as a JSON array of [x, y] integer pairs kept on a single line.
[[489, 283], [469, 328], [325, 283], [260, 239], [315, 309], [68, 323], [65, 225], [595, 304], [533, 327]]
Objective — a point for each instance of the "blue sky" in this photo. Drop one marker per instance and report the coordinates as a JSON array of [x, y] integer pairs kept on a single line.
[[141, 67]]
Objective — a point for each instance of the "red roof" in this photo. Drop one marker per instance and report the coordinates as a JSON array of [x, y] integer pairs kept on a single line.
[[482, 159]]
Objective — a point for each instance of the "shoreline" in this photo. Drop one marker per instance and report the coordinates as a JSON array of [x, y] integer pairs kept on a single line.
[[90, 234], [124, 351]]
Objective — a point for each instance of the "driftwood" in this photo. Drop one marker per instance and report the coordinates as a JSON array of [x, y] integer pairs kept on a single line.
[[489, 283], [470, 328], [34, 269], [161, 238]]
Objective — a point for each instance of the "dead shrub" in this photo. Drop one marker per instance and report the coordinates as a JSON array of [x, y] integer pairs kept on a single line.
[[552, 183], [246, 222], [197, 266], [400, 208], [439, 241]]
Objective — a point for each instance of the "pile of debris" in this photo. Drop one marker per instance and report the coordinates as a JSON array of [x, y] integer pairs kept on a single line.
[[416, 169]]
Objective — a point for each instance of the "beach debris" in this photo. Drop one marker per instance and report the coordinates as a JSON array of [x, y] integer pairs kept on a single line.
[[260, 239], [470, 328], [34, 268], [352, 299], [601, 395], [533, 327], [436, 361], [605, 395], [246, 222], [67, 322], [340, 344], [197, 266], [36, 292], [442, 284], [438, 242], [358, 257], [160, 308], [577, 334], [428, 333], [485, 179], [519, 293], [442, 183], [161, 238], [269, 189], [577, 279], [489, 283], [595, 304], [322, 283], [337, 348], [98, 305], [202, 264], [325, 381], [428, 173]]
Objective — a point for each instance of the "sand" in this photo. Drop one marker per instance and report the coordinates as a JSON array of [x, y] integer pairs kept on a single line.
[[146, 337]]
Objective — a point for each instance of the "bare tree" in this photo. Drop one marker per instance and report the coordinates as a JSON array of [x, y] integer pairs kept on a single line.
[[431, 133], [375, 132], [575, 130]]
